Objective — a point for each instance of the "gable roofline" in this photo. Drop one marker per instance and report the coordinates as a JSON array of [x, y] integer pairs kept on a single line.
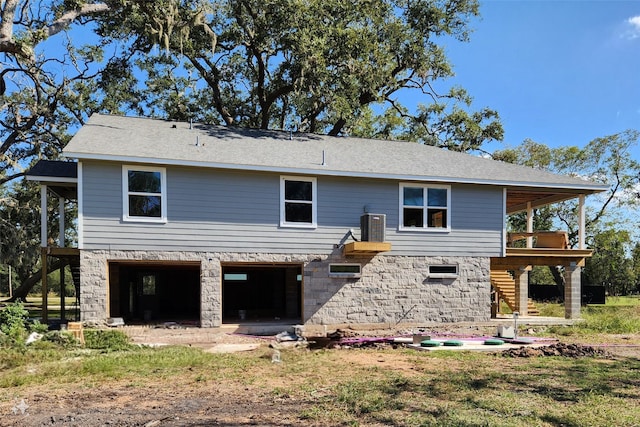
[[162, 142]]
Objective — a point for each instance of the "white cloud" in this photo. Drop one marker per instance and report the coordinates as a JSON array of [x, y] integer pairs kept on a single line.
[[632, 30]]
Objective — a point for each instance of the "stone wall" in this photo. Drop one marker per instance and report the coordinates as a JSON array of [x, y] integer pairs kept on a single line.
[[396, 289], [392, 289]]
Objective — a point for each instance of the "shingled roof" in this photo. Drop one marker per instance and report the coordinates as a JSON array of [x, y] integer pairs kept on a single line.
[[135, 139], [54, 169]]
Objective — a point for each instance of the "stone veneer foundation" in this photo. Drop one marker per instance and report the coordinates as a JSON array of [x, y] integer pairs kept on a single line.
[[392, 289]]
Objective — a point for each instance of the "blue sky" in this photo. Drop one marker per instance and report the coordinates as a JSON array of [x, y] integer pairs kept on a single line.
[[558, 72]]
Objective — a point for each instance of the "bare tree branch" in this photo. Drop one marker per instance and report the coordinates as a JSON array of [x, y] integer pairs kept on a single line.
[[69, 16], [8, 20]]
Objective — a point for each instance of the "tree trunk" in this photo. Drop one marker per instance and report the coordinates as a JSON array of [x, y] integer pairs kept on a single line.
[[558, 277], [23, 290]]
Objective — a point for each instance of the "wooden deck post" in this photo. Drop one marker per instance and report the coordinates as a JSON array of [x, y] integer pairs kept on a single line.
[[63, 293], [45, 290], [572, 291], [62, 244]]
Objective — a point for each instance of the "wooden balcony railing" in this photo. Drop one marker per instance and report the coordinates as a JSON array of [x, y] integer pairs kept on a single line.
[[541, 239]]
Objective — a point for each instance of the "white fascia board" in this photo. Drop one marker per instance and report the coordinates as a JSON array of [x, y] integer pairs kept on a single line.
[[51, 179], [328, 172]]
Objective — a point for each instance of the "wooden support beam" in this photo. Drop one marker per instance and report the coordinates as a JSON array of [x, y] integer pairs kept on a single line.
[[515, 262], [366, 248], [52, 251], [63, 293]]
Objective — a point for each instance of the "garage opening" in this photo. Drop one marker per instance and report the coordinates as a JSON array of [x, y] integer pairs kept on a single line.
[[155, 292], [261, 293]]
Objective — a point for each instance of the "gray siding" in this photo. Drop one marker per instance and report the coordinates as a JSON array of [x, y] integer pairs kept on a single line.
[[219, 210]]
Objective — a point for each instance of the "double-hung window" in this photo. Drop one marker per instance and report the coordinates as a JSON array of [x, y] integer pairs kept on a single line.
[[298, 202], [145, 194], [425, 207]]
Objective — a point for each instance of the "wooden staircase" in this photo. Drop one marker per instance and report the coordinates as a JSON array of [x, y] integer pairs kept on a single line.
[[504, 285]]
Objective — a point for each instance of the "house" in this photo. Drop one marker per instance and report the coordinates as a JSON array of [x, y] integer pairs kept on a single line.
[[217, 225]]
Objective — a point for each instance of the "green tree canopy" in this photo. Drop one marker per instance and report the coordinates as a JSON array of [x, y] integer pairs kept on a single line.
[[325, 66], [610, 224], [330, 66], [40, 81], [611, 264], [608, 160]]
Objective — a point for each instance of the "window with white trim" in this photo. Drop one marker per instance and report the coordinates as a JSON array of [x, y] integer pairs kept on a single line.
[[425, 207], [443, 271], [144, 193], [298, 201], [345, 270]]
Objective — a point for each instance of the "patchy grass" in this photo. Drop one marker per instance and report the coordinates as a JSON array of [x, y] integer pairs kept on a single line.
[[615, 318], [358, 387], [340, 387], [548, 309], [611, 319], [626, 301], [603, 320], [106, 339]]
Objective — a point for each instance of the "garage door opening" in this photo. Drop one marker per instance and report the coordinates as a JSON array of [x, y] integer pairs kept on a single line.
[[148, 292], [259, 293]]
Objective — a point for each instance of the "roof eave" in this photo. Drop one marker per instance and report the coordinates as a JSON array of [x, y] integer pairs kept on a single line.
[[55, 179], [586, 187]]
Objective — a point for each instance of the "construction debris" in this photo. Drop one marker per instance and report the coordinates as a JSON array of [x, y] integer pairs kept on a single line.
[[557, 349], [287, 339]]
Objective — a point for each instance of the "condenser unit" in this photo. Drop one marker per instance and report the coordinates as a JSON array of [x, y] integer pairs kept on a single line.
[[372, 227]]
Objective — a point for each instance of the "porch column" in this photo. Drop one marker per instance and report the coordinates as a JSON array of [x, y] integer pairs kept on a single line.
[[572, 291], [581, 223], [529, 225], [62, 224], [522, 289], [43, 216]]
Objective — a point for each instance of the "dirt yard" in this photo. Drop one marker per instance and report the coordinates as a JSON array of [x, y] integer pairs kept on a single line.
[[183, 402]]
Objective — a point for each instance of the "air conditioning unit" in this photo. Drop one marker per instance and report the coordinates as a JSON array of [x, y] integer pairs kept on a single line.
[[372, 227]]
